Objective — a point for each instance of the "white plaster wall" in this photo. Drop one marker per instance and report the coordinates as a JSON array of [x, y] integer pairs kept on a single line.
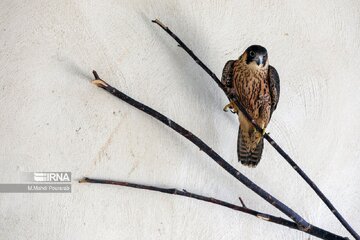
[[53, 119]]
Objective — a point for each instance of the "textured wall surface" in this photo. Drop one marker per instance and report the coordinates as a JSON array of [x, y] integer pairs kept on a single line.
[[53, 119]]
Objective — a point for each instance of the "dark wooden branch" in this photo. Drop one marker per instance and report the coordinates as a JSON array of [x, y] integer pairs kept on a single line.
[[266, 136], [305, 226], [315, 231]]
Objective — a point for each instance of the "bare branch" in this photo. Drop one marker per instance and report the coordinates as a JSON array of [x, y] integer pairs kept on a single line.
[[315, 231]]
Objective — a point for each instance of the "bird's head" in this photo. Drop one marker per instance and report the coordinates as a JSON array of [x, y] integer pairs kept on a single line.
[[255, 56]]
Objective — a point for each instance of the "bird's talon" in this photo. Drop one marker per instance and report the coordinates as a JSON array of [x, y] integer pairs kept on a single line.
[[263, 131], [233, 108], [99, 83], [227, 107]]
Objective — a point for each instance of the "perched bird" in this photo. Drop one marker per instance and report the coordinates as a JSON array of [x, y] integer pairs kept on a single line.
[[256, 85]]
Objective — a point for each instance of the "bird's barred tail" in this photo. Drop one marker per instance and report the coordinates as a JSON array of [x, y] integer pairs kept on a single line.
[[246, 156]]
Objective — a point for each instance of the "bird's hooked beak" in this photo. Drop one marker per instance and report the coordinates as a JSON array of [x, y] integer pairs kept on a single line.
[[259, 60]]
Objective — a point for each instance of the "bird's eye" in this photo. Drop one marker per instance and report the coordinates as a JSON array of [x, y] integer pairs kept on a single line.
[[252, 54]]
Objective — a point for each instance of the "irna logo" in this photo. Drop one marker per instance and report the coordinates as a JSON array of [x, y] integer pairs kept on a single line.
[[52, 176]]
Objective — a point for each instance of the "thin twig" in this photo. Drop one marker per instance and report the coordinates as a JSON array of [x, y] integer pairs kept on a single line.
[[266, 135], [315, 231], [305, 226], [242, 202]]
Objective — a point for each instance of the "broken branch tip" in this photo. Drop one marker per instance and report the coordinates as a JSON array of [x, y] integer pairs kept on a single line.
[[158, 22], [83, 180]]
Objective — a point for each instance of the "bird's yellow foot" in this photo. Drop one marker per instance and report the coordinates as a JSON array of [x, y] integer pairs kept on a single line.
[[99, 83], [232, 106], [258, 133], [263, 131]]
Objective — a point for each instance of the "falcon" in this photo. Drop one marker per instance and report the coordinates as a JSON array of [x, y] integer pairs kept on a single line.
[[256, 85]]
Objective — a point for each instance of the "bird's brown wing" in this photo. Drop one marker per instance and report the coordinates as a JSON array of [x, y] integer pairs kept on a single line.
[[274, 83], [227, 74]]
